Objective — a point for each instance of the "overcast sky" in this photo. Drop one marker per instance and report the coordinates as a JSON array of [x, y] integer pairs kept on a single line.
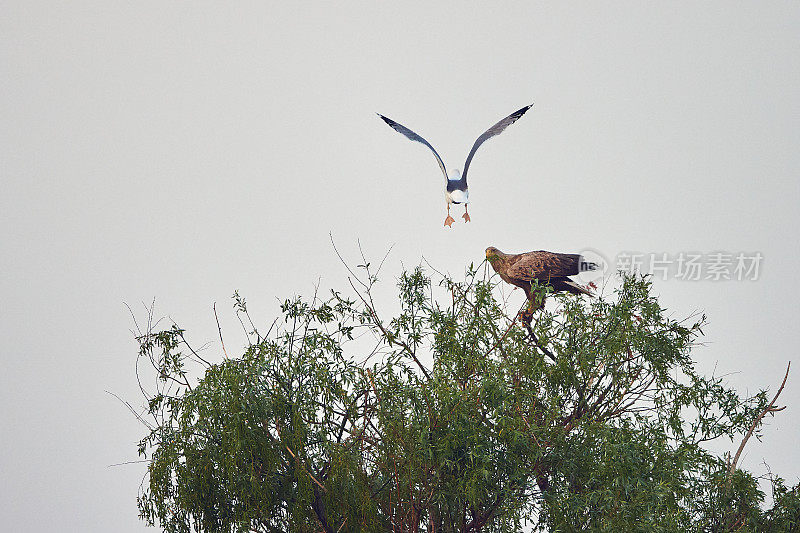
[[181, 151]]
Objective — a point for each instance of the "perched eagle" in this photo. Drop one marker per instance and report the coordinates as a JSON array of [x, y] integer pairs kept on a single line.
[[548, 268], [456, 191]]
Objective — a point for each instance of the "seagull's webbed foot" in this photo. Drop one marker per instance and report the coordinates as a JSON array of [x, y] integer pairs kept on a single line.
[[466, 216], [449, 221]]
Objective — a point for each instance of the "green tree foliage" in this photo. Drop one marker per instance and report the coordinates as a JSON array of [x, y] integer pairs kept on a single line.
[[593, 418]]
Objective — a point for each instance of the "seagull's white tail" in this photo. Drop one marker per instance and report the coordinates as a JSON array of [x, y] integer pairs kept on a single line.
[[458, 196]]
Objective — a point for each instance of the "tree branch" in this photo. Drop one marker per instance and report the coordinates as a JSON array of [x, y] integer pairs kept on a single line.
[[770, 408], [544, 350], [390, 338]]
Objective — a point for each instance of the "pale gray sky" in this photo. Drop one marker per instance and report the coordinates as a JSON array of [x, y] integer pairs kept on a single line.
[[184, 150]]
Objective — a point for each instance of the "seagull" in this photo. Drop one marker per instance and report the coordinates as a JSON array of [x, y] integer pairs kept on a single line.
[[547, 268], [456, 191]]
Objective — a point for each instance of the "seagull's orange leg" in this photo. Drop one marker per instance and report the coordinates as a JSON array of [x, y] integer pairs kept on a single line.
[[449, 220], [465, 215]]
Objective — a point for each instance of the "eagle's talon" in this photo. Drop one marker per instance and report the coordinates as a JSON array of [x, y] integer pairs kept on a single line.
[[449, 221]]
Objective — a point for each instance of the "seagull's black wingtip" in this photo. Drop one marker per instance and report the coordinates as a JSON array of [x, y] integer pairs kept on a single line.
[[523, 110]]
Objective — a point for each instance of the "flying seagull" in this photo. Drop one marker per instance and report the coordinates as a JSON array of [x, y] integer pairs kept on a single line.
[[457, 191], [548, 268]]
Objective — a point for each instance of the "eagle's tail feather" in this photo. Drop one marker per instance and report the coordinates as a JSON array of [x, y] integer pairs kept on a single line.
[[574, 288]]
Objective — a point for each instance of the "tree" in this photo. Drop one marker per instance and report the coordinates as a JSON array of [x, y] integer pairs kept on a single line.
[[592, 418]]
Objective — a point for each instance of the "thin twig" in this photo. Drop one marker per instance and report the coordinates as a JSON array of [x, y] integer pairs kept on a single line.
[[219, 328], [341, 259], [132, 410], [130, 463], [496, 344]]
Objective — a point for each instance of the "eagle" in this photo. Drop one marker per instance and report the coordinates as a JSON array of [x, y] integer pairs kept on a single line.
[[456, 191], [548, 268]]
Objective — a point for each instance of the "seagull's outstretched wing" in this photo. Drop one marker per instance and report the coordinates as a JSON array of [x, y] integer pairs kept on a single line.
[[414, 137], [497, 129]]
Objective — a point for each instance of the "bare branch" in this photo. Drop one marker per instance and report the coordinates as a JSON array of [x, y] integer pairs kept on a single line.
[[770, 408]]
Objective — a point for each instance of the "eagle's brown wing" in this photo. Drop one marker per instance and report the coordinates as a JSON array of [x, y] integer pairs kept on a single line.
[[543, 266]]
